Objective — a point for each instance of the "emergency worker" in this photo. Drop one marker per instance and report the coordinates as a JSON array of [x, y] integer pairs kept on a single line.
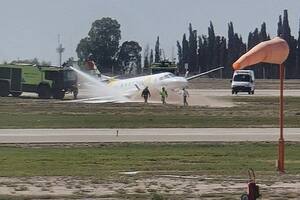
[[163, 94], [185, 95], [146, 94]]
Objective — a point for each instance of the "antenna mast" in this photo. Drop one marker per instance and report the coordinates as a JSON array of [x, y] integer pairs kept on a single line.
[[60, 50]]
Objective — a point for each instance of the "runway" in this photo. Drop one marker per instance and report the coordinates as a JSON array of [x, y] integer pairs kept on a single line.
[[19, 136]]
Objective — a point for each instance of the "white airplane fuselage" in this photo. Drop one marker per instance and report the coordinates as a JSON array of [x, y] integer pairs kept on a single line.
[[155, 81]]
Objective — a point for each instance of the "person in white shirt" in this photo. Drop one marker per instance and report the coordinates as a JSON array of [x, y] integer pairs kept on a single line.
[[185, 95]]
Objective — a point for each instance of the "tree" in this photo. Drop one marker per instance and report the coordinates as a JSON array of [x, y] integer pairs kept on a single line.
[[84, 48], [157, 51], [286, 35], [151, 57], [103, 42], [185, 52], [146, 58], [279, 27], [130, 51], [33, 61], [231, 50], [202, 53], [223, 53], [212, 46], [179, 54], [192, 44]]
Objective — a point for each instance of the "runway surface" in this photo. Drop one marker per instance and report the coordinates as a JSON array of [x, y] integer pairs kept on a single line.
[[16, 136], [227, 92]]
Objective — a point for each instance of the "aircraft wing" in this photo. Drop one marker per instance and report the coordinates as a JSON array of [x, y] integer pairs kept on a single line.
[[204, 73], [102, 99]]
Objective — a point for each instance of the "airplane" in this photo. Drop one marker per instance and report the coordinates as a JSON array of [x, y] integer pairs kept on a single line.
[[157, 81], [131, 86]]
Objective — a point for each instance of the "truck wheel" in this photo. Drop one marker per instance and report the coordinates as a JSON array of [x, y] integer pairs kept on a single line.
[[16, 94], [4, 87], [44, 92], [253, 92], [232, 91], [58, 94]]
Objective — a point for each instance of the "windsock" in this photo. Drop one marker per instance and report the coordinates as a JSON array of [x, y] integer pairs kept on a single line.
[[274, 51]]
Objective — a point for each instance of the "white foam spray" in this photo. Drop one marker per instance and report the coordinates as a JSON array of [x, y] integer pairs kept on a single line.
[[96, 91]]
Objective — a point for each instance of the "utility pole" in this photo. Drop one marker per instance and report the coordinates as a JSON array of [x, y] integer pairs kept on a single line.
[[60, 50]]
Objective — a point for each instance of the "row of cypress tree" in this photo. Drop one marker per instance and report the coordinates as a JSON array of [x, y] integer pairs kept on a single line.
[[204, 52]]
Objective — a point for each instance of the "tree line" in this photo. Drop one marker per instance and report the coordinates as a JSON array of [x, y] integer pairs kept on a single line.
[[204, 52], [197, 52]]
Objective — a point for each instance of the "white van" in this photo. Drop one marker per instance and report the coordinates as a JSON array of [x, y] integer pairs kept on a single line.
[[243, 81]]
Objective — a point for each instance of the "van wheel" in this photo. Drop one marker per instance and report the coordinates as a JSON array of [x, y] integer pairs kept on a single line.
[[232, 92], [4, 87], [44, 92], [58, 94], [253, 92], [16, 94]]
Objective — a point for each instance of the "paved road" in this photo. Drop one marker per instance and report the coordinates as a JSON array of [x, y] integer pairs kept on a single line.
[[144, 135]]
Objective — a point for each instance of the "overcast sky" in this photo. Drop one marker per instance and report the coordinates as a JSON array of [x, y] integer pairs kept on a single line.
[[30, 28]]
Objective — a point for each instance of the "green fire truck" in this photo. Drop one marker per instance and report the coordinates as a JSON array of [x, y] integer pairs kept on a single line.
[[46, 81]]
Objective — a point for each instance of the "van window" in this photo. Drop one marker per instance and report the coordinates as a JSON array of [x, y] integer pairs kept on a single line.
[[242, 78]]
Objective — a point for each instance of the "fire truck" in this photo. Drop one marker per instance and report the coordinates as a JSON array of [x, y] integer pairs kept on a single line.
[[46, 81]]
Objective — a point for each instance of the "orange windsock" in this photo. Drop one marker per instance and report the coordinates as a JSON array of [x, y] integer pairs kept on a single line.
[[274, 51]]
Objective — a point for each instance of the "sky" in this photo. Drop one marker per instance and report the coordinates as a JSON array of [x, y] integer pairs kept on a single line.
[[30, 28]]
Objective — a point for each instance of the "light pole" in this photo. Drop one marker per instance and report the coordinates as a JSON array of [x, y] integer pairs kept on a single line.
[[60, 50]]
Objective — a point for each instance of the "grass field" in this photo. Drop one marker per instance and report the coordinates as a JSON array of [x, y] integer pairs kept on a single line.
[[106, 161], [167, 171], [248, 112]]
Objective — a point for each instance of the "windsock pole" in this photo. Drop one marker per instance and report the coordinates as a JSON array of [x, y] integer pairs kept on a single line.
[[281, 122]]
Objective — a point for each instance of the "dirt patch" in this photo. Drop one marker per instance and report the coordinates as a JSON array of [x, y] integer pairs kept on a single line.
[[188, 187], [195, 99]]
